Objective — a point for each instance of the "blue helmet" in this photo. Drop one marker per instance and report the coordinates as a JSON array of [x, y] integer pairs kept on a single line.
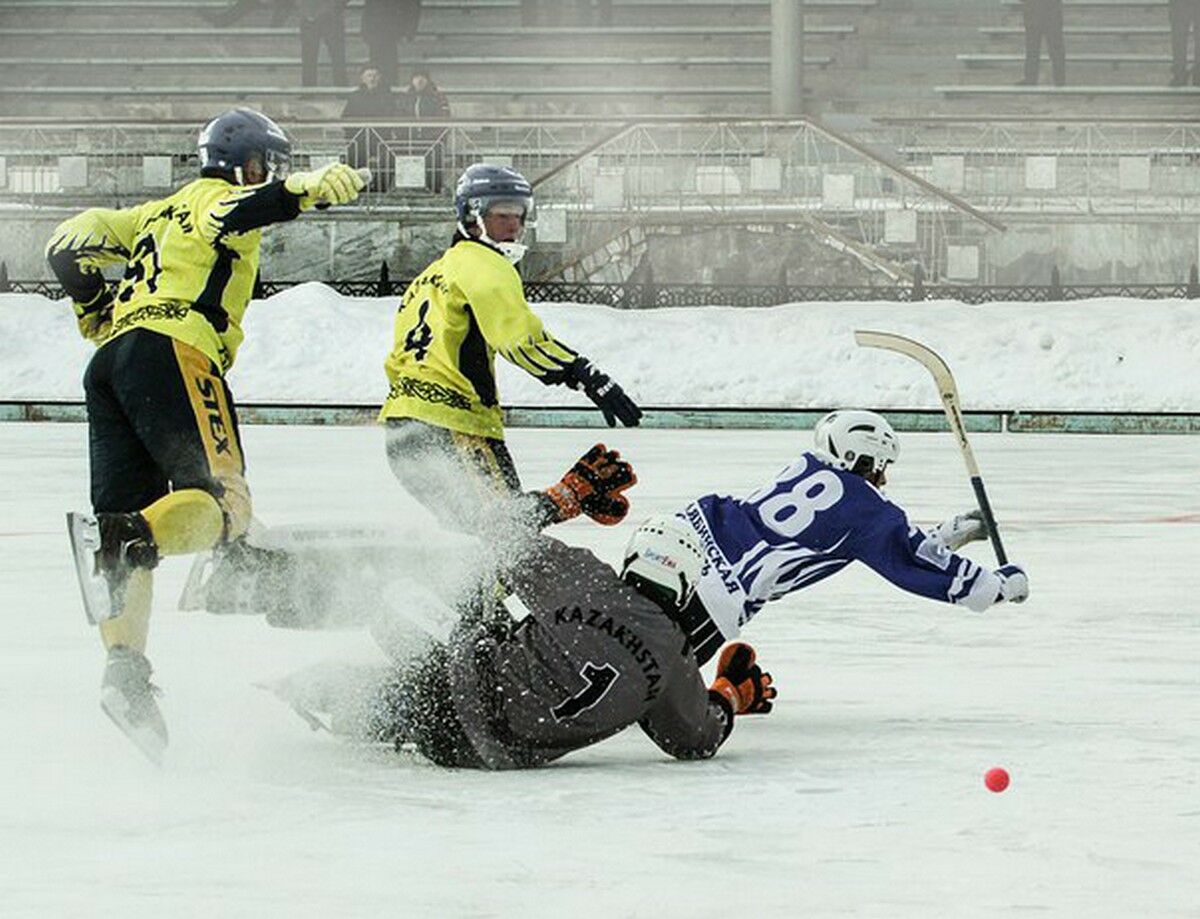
[[483, 186], [231, 139]]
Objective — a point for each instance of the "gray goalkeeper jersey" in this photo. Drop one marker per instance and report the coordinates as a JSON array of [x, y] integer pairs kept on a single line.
[[593, 657]]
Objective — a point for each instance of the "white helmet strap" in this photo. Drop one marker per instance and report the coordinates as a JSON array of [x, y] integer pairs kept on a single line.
[[513, 251]]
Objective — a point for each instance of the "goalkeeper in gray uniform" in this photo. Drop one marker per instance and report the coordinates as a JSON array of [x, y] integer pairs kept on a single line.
[[597, 653]]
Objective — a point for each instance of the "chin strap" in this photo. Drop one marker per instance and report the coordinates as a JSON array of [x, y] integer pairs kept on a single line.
[[512, 251]]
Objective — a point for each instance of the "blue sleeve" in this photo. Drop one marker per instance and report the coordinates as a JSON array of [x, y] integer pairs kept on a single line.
[[921, 564]]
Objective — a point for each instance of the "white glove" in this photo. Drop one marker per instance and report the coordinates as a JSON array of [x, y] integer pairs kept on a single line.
[[960, 530], [336, 183], [1014, 583]]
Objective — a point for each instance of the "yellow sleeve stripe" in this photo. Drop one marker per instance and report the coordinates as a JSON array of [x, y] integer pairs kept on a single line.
[[540, 356], [89, 250]]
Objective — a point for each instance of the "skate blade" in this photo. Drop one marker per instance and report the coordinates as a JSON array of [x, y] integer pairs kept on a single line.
[[195, 590], [280, 691], [151, 743], [85, 543]]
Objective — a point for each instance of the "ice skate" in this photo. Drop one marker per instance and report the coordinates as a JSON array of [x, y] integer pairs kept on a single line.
[[127, 697], [107, 547]]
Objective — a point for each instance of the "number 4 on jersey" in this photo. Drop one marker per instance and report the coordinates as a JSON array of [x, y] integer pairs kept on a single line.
[[420, 336]]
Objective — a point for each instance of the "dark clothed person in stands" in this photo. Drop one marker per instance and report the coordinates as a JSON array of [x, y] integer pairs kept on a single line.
[[1185, 23], [424, 100], [1044, 19], [372, 100], [322, 22], [385, 23]]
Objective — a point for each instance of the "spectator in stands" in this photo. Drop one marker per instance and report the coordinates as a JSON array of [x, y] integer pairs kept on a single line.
[[384, 24], [1044, 19], [372, 100], [1185, 21], [322, 21], [423, 99]]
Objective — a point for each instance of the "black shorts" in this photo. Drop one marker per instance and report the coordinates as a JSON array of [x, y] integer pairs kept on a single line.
[[449, 472], [161, 418]]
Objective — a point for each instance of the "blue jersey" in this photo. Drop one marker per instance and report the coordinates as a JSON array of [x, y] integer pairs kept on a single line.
[[809, 522]]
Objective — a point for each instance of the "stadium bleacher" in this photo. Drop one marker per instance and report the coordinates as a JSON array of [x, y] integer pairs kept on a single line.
[[906, 57], [85, 63], [654, 57]]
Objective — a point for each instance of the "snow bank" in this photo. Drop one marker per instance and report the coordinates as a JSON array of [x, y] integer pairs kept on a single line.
[[312, 345]]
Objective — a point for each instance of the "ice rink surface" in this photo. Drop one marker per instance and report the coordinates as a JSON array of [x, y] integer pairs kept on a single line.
[[861, 795]]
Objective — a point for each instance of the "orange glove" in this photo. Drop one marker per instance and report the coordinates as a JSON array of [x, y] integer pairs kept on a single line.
[[741, 682], [593, 486]]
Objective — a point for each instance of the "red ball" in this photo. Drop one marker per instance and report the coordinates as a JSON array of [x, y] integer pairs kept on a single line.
[[996, 779]]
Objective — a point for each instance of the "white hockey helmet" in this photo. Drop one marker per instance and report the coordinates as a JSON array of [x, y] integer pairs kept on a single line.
[[663, 557], [844, 436]]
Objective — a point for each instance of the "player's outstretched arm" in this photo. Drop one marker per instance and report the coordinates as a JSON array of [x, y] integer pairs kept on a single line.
[[78, 249], [688, 721], [242, 209], [594, 485], [921, 563], [554, 364]]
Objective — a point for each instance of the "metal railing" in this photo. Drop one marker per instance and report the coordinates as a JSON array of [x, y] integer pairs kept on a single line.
[[653, 296], [1059, 167], [672, 170]]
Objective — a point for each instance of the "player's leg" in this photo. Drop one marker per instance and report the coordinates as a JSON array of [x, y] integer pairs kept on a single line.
[[189, 425], [174, 415], [124, 479], [456, 476]]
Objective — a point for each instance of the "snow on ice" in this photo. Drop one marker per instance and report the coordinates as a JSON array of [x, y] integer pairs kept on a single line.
[[861, 795]]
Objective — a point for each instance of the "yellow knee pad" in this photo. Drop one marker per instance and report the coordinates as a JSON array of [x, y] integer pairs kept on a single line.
[[185, 521]]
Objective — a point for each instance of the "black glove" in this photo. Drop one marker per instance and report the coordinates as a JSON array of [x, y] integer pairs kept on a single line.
[[593, 486], [741, 682], [604, 391]]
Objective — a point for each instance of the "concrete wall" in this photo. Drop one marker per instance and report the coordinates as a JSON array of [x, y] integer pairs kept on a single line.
[[317, 248]]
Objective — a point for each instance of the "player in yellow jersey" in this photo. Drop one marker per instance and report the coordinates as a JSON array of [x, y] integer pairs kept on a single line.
[[167, 472], [445, 430]]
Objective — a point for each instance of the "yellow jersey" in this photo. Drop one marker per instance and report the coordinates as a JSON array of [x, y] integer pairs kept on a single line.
[[454, 318], [190, 261]]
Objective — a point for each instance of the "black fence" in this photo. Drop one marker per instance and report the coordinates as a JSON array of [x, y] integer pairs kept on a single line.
[[654, 296]]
